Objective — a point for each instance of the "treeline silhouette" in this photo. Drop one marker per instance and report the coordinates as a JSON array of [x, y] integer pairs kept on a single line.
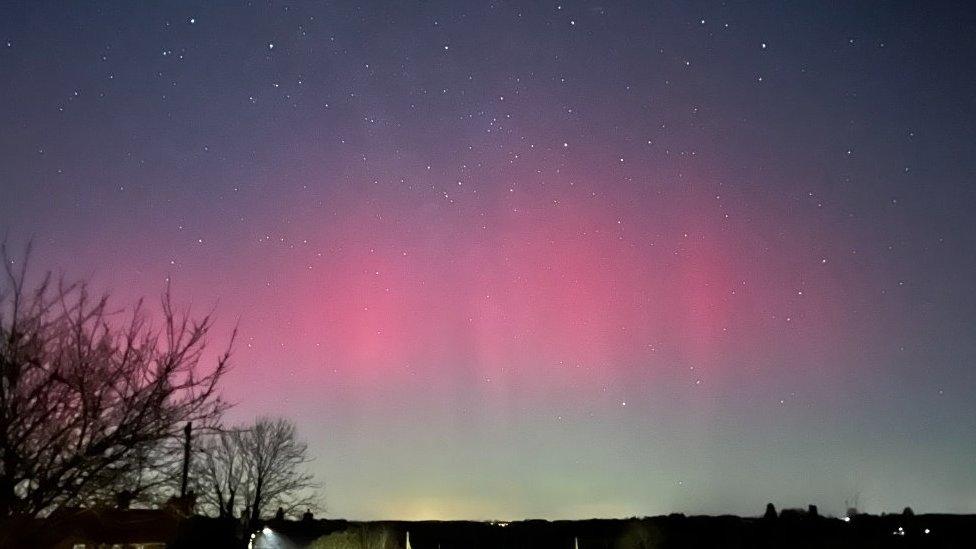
[[106, 411], [792, 528]]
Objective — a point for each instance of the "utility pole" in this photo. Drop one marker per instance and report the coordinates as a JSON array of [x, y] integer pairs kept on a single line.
[[187, 432]]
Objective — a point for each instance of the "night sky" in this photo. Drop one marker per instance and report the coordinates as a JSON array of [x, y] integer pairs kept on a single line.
[[507, 260]]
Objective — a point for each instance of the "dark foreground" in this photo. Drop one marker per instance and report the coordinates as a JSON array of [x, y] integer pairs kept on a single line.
[[157, 529]]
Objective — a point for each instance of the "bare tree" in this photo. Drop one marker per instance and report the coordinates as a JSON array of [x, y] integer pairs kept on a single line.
[[219, 472], [275, 457], [258, 467], [90, 398]]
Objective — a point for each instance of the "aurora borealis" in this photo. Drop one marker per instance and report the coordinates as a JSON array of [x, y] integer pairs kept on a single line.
[[556, 260]]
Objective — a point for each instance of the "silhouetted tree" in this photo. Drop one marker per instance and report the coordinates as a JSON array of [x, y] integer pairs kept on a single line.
[[219, 472], [770, 511], [908, 512], [259, 466], [90, 399]]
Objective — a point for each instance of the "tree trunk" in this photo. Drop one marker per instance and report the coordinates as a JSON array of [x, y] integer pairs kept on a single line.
[[256, 505]]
